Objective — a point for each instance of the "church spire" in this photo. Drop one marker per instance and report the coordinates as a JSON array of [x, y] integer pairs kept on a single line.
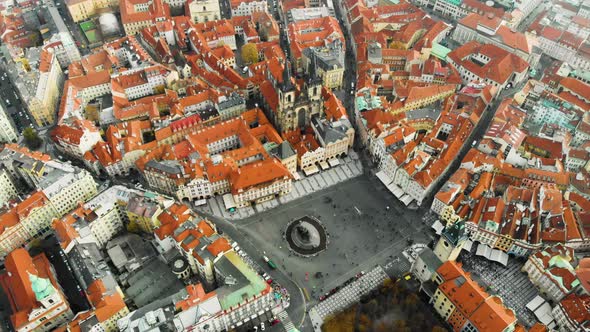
[[455, 233], [287, 84], [314, 78]]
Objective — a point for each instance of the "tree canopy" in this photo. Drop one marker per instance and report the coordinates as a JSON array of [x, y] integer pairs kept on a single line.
[[393, 307], [32, 139], [249, 53]]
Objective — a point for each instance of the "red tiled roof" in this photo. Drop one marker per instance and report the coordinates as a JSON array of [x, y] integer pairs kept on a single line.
[[501, 66], [508, 36], [19, 265], [577, 307], [105, 305], [576, 86], [258, 173]]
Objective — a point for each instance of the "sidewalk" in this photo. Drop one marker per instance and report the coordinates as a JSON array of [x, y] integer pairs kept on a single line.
[[350, 167]]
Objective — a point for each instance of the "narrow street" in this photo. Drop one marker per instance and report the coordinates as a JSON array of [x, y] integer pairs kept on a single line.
[[347, 94], [14, 107]]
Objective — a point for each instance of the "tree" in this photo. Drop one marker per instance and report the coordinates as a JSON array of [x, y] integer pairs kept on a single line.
[[439, 329], [32, 139], [133, 227], [249, 53], [382, 327], [411, 301], [399, 325], [397, 45]]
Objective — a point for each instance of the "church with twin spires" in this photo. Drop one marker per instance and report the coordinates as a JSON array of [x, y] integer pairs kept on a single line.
[[288, 102]]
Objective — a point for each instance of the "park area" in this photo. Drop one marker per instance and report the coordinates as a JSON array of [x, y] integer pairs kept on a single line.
[[91, 32], [392, 307]]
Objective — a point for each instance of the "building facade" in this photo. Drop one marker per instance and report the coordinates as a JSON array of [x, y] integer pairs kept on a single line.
[[8, 133], [201, 11]]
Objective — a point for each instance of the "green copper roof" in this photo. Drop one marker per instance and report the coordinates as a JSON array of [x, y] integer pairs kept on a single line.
[[41, 287], [376, 102], [231, 296], [440, 51], [454, 2], [269, 146], [360, 103], [583, 74], [455, 232], [370, 103], [560, 261], [549, 104], [491, 226]]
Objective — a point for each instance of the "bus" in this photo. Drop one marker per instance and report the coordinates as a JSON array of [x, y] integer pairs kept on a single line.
[[270, 263]]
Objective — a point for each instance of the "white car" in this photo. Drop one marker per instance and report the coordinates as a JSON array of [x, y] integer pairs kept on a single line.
[[262, 327]]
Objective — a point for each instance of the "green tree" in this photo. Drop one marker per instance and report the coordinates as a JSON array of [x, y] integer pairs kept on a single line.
[[32, 139], [249, 53], [133, 227]]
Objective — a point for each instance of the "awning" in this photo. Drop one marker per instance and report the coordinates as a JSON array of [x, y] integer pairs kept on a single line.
[[535, 303], [397, 191], [440, 51], [324, 165], [406, 199], [467, 246], [483, 250], [499, 256], [334, 162], [438, 227], [544, 314], [228, 201], [311, 170], [383, 178], [200, 202]]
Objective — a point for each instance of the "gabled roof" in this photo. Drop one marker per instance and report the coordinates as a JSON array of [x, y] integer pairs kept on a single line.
[[501, 66]]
